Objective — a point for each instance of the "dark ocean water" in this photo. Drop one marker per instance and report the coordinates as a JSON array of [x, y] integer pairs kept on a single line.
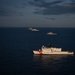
[[17, 58]]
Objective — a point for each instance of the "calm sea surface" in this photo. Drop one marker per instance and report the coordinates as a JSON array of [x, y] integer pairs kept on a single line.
[[17, 58]]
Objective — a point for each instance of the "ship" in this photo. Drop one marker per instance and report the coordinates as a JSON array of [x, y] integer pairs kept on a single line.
[[51, 33], [51, 50], [32, 29]]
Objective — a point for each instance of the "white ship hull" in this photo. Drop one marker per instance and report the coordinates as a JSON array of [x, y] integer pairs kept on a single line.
[[63, 52], [51, 50]]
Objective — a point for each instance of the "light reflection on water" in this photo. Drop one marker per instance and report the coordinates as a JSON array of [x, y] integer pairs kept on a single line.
[[51, 63]]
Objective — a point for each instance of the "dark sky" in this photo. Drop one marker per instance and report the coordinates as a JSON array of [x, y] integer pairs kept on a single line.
[[37, 13]]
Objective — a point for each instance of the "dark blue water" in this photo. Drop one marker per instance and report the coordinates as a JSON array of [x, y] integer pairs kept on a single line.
[[17, 58]]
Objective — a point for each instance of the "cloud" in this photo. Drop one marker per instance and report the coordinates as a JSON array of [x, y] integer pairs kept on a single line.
[[50, 18], [43, 3], [9, 7], [56, 7]]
